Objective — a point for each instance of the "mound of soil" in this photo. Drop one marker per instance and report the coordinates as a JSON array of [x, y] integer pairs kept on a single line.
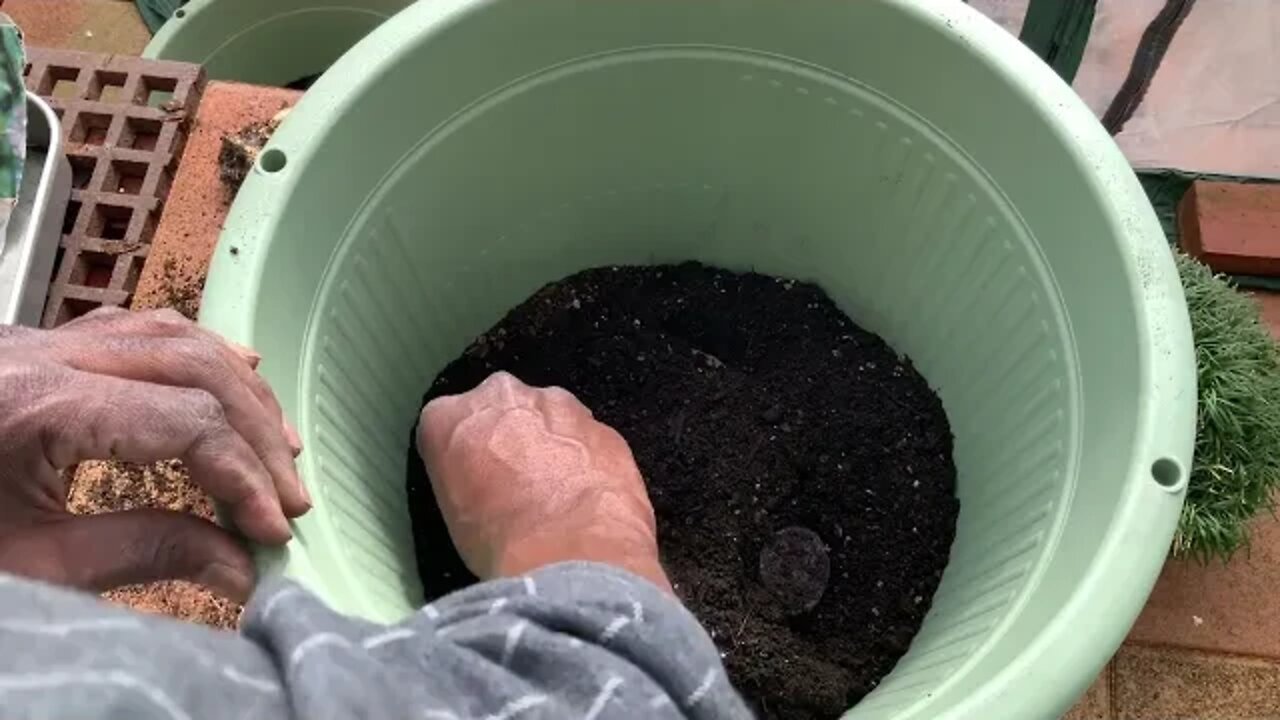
[[800, 469], [101, 486]]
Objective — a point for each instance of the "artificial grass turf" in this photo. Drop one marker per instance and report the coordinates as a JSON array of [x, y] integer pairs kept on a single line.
[[1237, 449]]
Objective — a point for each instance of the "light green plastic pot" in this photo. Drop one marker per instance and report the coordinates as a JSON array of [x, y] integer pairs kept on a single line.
[[939, 181], [267, 42]]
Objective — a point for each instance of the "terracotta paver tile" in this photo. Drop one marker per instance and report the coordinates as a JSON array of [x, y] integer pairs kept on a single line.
[[106, 26], [1096, 704], [198, 202], [1232, 227], [1232, 607], [1270, 303], [1171, 684]]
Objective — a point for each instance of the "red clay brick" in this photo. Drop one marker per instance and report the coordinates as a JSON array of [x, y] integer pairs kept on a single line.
[[1270, 304], [1232, 227], [1228, 608], [198, 203], [1096, 703], [1169, 684], [125, 121], [106, 26]]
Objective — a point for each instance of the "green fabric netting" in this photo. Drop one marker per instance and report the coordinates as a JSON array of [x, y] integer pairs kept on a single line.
[[155, 12], [13, 102], [13, 120]]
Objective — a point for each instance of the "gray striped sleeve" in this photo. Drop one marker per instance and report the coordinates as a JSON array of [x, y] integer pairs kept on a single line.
[[575, 640]]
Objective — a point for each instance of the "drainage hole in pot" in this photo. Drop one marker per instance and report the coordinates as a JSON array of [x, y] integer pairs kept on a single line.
[[273, 160], [1167, 472]]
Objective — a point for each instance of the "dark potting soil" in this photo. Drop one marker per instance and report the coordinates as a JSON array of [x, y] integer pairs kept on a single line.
[[800, 470]]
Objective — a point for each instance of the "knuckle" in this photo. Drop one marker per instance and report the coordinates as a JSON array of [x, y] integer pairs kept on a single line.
[[494, 380], [503, 381], [225, 460], [166, 319], [566, 401], [204, 409], [559, 395], [240, 487], [258, 385], [432, 411], [203, 357], [169, 316]]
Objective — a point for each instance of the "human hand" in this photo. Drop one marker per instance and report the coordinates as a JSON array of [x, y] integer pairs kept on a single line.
[[526, 477], [139, 387]]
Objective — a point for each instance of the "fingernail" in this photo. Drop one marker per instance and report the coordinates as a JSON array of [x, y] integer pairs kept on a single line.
[[291, 436], [278, 531], [282, 529], [228, 581], [306, 494], [250, 355], [261, 519]]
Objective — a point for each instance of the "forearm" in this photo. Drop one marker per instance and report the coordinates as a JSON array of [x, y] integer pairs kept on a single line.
[[635, 552]]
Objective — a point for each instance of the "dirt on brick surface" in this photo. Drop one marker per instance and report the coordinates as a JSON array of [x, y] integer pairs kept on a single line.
[[180, 288], [199, 201], [240, 150], [239, 153], [112, 486], [801, 471]]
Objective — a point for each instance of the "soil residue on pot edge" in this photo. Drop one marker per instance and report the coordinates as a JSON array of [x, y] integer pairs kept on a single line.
[[240, 150], [776, 437]]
